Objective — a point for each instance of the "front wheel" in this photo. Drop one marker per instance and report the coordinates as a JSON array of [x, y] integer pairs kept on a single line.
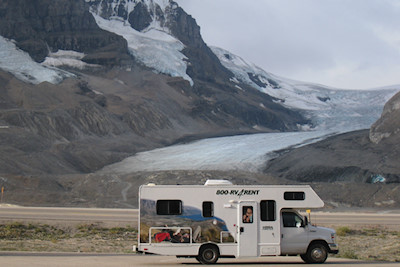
[[208, 255], [304, 257], [316, 253]]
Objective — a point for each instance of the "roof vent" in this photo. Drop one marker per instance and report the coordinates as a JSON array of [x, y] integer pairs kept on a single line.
[[217, 182]]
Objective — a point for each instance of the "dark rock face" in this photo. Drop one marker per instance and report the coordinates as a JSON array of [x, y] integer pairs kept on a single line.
[[204, 64], [387, 128], [140, 17], [42, 25]]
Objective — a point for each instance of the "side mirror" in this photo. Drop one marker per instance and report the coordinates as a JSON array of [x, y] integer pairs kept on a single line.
[[305, 220]]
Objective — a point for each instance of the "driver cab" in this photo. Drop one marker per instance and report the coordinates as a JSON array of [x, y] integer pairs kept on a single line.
[[294, 232]]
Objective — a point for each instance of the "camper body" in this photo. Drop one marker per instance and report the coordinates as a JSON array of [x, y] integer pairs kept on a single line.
[[219, 219]]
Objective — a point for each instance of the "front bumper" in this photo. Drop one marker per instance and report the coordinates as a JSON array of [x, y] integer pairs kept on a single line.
[[333, 248]]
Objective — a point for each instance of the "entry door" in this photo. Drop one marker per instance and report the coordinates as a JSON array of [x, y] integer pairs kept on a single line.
[[248, 229]]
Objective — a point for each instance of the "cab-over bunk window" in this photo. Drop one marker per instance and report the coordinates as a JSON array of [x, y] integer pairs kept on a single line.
[[294, 196]]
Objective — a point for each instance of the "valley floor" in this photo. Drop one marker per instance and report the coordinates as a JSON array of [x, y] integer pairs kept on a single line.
[[370, 243]]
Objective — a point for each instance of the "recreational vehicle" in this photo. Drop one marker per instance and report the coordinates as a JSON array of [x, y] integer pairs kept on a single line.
[[219, 219]]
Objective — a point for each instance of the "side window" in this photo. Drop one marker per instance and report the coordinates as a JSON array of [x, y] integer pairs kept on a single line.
[[291, 219], [267, 208], [294, 196], [247, 214], [169, 207], [208, 209]]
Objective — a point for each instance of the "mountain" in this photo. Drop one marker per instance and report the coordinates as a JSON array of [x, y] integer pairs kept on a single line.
[[87, 83], [76, 97]]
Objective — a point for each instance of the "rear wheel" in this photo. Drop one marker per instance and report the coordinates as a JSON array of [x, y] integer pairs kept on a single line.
[[208, 255], [316, 253]]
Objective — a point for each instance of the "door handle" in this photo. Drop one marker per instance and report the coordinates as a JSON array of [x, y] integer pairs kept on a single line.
[[241, 229]]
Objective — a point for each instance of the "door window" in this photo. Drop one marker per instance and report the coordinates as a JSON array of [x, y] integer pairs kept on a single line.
[[247, 214]]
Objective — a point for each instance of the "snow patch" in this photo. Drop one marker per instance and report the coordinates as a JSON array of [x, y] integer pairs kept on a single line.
[[23, 67], [67, 58]]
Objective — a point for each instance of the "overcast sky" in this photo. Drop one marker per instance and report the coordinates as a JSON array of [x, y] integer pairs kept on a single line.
[[352, 44]]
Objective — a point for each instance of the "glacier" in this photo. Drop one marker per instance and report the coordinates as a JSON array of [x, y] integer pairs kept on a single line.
[[238, 153]]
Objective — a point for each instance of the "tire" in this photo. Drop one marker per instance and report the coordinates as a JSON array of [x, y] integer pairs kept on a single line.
[[316, 253], [208, 255], [304, 258]]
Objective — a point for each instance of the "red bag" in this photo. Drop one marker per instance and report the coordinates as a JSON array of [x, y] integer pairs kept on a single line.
[[162, 236]]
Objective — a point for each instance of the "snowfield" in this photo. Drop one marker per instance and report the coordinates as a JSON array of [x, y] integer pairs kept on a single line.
[[328, 108]]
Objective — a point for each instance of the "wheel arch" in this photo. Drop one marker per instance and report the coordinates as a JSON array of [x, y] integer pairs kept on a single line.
[[204, 255], [319, 241], [207, 245]]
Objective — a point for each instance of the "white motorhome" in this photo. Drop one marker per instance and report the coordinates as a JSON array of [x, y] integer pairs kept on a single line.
[[219, 219]]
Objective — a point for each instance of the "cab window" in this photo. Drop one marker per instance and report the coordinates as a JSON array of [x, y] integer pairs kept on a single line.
[[291, 219]]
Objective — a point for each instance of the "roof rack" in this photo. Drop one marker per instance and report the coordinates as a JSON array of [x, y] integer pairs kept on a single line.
[[217, 182]]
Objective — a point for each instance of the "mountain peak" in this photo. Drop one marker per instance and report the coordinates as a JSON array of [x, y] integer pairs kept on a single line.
[[140, 14], [162, 36]]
